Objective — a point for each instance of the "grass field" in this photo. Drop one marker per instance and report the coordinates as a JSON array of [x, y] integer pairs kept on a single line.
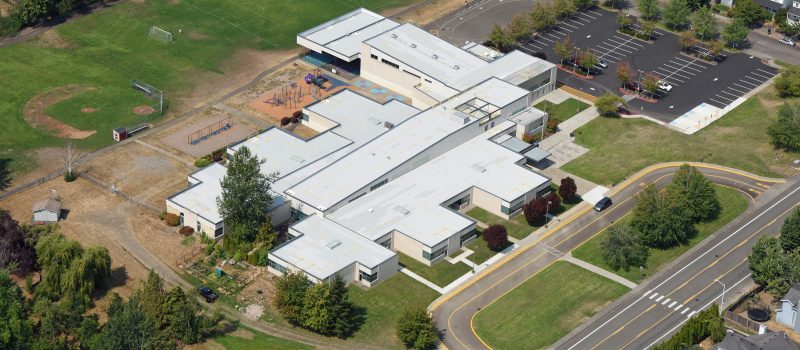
[[623, 146], [107, 49], [733, 205], [253, 340], [385, 303], [564, 110], [545, 308], [441, 273], [518, 227]]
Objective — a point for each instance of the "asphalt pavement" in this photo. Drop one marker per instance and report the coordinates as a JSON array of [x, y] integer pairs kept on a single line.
[[454, 312]]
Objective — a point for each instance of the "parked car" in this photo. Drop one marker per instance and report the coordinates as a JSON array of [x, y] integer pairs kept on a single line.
[[602, 63], [602, 204], [663, 85], [208, 294], [786, 41]]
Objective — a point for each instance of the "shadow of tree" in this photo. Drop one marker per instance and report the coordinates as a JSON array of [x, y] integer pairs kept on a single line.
[[5, 173]]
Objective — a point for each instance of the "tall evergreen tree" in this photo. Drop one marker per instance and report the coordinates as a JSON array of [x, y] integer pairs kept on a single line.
[[660, 218], [128, 327], [180, 317], [695, 193], [14, 253], [342, 309]]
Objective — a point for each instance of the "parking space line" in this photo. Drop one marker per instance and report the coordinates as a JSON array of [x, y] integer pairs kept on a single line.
[[748, 83], [771, 74], [743, 87], [560, 28], [728, 93], [576, 22], [758, 82], [528, 50], [721, 103], [587, 15], [608, 53], [570, 25], [761, 76], [675, 72], [737, 90], [687, 67], [536, 45], [543, 38], [724, 98], [595, 12], [583, 19], [692, 63], [554, 36], [678, 69], [628, 41]]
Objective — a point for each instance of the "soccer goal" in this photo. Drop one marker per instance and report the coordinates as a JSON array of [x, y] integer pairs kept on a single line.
[[152, 93], [161, 35]]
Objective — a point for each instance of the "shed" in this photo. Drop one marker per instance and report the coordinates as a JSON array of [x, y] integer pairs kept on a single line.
[[47, 210]]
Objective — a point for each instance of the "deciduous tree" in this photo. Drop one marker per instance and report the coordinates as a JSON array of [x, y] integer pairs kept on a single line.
[[788, 82], [519, 27], [622, 248], [565, 8], [290, 292], [676, 14], [15, 329], [785, 130], [661, 220], [695, 193], [15, 254], [500, 38], [649, 9], [608, 104], [588, 61], [416, 329], [750, 13], [564, 49], [704, 23], [790, 232], [624, 72], [686, 39], [496, 237], [543, 16], [567, 189], [650, 82]]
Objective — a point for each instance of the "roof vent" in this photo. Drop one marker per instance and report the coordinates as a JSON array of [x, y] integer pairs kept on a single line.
[[402, 210], [394, 35], [388, 125], [435, 56], [413, 46], [297, 158], [333, 244], [370, 210], [477, 167], [456, 67]]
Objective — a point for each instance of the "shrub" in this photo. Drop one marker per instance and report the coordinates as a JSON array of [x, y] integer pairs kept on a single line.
[[531, 138], [285, 121], [218, 155], [202, 162], [297, 114], [788, 82], [172, 219], [209, 249], [295, 120], [568, 188], [186, 230], [162, 215], [496, 237], [69, 176], [552, 125]]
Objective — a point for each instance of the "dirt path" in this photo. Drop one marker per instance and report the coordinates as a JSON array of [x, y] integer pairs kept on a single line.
[[36, 117]]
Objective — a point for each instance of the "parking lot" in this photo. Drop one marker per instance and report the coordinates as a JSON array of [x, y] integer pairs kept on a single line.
[[693, 81]]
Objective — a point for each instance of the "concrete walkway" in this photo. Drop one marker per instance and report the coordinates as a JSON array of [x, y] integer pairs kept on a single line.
[[556, 174], [419, 278], [612, 276], [561, 145]]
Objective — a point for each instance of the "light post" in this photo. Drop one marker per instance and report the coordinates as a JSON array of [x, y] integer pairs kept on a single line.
[[547, 213], [722, 301]]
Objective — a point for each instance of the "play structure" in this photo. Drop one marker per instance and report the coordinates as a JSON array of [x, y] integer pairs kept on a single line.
[[316, 78], [287, 96], [208, 131], [122, 133]]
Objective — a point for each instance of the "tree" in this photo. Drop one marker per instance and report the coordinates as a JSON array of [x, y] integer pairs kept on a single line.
[[342, 309], [735, 33], [583, 4], [416, 329], [788, 82], [647, 28], [564, 8], [772, 267], [567, 189], [704, 23], [650, 82], [180, 318], [519, 27], [91, 270], [317, 307], [245, 200], [622, 248], [614, 4], [588, 60], [58, 321], [563, 49], [128, 327], [496, 237], [500, 38], [151, 295], [686, 39], [542, 17], [785, 130], [676, 14], [31, 11], [69, 158], [791, 29], [695, 193], [695, 5], [790, 232], [534, 210], [624, 73], [608, 104], [750, 13], [55, 255], [15, 255], [623, 21], [15, 329], [649, 9], [662, 221], [290, 291]]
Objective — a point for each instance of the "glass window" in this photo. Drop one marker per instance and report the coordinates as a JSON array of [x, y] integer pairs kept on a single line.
[[276, 266], [379, 184], [363, 276], [467, 236], [373, 56], [395, 65], [387, 243], [437, 253]]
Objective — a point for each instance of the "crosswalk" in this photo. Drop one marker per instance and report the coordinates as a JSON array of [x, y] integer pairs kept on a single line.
[[744, 84], [669, 303]]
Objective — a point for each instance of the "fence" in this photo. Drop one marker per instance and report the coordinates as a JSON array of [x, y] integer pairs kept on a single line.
[[188, 255], [738, 320]]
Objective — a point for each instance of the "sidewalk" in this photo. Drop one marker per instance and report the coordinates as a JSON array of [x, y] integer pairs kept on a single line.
[[607, 274], [561, 146]]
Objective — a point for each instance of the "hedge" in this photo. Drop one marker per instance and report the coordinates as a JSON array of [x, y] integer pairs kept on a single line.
[[172, 219]]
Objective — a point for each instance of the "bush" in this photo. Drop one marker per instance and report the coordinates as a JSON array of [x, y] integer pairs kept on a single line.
[[202, 162], [10, 25], [531, 138], [552, 125], [69, 176], [285, 121], [172, 219], [568, 189], [218, 155], [186, 230], [496, 237], [162, 215], [788, 82], [295, 120], [297, 114]]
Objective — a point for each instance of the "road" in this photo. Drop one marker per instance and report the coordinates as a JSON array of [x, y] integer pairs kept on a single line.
[[454, 312]]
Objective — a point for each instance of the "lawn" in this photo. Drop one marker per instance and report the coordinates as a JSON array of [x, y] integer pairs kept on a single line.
[[481, 251], [545, 308], [441, 273], [107, 49], [620, 147], [246, 339], [384, 303], [564, 110], [518, 227], [733, 205]]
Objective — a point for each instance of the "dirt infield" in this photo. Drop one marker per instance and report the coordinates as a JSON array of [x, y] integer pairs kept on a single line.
[[178, 139], [143, 110], [37, 118]]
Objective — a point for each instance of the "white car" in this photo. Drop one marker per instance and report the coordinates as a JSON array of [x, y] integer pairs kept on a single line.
[[663, 85], [786, 41]]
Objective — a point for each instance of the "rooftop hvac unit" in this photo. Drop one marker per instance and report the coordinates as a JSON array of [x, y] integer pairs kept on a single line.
[[402, 210], [333, 244], [388, 125]]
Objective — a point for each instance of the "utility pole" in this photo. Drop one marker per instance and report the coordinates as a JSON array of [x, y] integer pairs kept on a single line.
[[547, 213], [722, 301]]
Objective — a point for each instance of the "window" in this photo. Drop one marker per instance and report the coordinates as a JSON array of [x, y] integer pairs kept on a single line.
[[543, 192], [357, 197], [304, 117], [297, 215], [467, 236], [199, 229], [218, 232], [373, 56], [379, 184], [395, 65], [436, 254], [276, 266], [181, 218], [513, 209], [363, 276]]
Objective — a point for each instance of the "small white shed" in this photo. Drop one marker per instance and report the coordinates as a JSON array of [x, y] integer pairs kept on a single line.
[[47, 210]]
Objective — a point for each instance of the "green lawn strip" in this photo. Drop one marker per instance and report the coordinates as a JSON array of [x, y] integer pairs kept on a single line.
[[620, 147], [564, 110], [384, 304], [441, 273], [109, 48], [517, 227], [545, 308], [257, 341], [733, 205], [480, 250]]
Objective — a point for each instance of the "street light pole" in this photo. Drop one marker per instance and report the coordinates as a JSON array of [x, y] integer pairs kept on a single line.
[[722, 301], [547, 213]]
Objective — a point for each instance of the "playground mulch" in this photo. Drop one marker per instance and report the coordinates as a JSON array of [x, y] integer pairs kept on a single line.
[[276, 112], [178, 139]]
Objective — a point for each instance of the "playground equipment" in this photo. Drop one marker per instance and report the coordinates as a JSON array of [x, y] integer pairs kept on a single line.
[[288, 96], [316, 78], [208, 131], [122, 133]]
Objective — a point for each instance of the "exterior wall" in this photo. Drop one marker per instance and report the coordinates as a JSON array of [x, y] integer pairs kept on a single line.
[[191, 219], [536, 86], [390, 77], [533, 128], [786, 314], [317, 122], [487, 201], [408, 246], [281, 214], [385, 270], [349, 274], [45, 216]]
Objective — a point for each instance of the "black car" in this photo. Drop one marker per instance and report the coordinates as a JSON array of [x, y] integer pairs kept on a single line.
[[208, 294], [602, 204]]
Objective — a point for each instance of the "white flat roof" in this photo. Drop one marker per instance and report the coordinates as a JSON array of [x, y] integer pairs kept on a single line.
[[360, 119], [339, 180], [412, 204], [344, 34], [323, 248], [514, 67], [202, 197]]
